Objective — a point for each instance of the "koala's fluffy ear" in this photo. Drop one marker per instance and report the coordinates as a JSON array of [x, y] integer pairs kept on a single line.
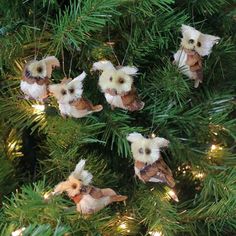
[[103, 65], [129, 70], [134, 137]]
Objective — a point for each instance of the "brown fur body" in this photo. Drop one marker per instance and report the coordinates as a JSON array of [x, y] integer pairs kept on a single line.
[[98, 193], [158, 170], [194, 61], [85, 104]]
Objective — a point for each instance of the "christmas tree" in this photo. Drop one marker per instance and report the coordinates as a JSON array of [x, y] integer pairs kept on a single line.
[[40, 148]]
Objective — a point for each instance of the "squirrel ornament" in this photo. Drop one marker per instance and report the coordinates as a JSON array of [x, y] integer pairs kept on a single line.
[[88, 199], [117, 85]]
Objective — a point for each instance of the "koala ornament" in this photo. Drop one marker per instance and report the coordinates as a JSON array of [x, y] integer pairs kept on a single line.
[[36, 75], [194, 46], [117, 85], [69, 97], [88, 199], [149, 165]]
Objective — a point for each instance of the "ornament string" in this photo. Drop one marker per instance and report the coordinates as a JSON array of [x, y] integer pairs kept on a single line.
[[109, 38], [44, 28], [71, 60], [129, 43], [35, 42], [63, 62], [154, 113]]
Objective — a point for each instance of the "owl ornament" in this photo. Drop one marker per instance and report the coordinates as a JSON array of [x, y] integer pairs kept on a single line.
[[194, 46], [88, 199], [149, 166], [69, 97], [36, 76], [117, 85]]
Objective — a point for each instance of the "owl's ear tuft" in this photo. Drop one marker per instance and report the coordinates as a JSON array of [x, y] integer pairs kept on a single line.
[[103, 65], [129, 70], [133, 137]]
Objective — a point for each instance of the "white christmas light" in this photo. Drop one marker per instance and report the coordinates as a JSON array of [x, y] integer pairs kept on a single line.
[[155, 233], [47, 196], [173, 195], [213, 147], [38, 108], [123, 226], [200, 175], [18, 232]]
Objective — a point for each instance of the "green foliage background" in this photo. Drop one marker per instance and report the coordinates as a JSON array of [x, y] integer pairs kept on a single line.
[[38, 150]]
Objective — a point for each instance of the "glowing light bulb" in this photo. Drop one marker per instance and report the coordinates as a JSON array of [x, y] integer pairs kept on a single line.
[[47, 196], [200, 175], [155, 233], [38, 108], [18, 232], [213, 147], [173, 195], [152, 135], [123, 226]]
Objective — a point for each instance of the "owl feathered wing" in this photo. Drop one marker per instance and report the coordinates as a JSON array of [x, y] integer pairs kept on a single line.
[[158, 172]]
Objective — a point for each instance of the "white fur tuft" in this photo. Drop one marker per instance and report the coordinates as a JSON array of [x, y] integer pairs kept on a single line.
[[103, 65], [80, 77], [206, 41], [133, 137], [81, 174], [129, 70]]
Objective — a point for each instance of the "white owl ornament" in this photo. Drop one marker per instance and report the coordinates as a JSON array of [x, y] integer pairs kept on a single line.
[[117, 85], [194, 46], [149, 165], [36, 78], [69, 97], [88, 199]]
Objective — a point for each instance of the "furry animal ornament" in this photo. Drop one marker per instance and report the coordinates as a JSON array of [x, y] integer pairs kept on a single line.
[[36, 75], [88, 199], [194, 46], [149, 165], [117, 85], [69, 97]]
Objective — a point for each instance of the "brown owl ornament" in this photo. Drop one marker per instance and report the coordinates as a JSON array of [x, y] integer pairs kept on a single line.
[[149, 165], [118, 87], [88, 199], [70, 100], [36, 78], [194, 46]]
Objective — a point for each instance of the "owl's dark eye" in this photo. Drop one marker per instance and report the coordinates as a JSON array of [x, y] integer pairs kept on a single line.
[[39, 69], [121, 80], [140, 150], [74, 186], [63, 92], [147, 151], [71, 90], [110, 78], [191, 41], [199, 44]]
